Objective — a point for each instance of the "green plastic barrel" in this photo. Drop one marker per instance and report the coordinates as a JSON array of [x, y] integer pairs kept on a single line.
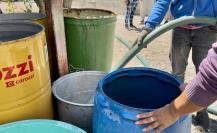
[[39, 126], [89, 38]]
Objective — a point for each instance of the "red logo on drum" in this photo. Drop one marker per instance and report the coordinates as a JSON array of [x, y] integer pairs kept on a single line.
[[10, 84], [22, 69]]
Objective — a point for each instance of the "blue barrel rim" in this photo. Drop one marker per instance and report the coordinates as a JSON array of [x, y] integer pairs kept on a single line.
[[61, 124], [100, 85], [59, 81]]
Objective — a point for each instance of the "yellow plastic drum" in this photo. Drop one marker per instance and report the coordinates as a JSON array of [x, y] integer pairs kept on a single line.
[[25, 86]]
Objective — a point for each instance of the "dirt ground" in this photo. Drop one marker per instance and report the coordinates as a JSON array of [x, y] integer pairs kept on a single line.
[[157, 52]]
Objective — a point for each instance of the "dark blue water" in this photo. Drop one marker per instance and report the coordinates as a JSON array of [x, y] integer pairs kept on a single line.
[[146, 92]]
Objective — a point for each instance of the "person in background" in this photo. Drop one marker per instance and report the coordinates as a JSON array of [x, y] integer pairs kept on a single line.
[[142, 11], [131, 8], [197, 95], [198, 37]]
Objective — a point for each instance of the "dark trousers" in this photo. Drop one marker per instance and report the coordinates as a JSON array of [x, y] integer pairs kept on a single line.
[[200, 41], [131, 8]]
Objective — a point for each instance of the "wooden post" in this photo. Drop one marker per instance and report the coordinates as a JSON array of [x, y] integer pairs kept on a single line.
[[54, 11]]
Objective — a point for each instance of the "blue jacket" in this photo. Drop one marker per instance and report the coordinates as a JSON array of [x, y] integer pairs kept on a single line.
[[180, 8]]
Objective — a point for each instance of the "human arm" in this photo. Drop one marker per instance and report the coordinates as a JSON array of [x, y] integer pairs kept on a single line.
[[183, 86], [199, 93], [155, 18], [158, 12], [166, 116]]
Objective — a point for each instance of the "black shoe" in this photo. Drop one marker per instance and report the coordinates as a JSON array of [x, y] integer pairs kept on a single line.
[[202, 120]]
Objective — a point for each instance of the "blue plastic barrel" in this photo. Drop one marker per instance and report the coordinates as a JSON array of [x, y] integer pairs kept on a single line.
[[39, 126], [123, 94]]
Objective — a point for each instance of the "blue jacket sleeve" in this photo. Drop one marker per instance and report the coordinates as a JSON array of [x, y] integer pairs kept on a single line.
[[158, 12]]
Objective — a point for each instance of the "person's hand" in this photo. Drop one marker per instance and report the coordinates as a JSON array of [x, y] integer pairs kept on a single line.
[[141, 37], [183, 86], [126, 2], [158, 120]]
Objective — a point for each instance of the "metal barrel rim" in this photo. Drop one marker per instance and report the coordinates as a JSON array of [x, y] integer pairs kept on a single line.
[[22, 16], [41, 29], [68, 10], [60, 80]]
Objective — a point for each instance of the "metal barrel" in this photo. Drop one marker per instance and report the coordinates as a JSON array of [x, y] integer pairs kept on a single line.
[[25, 86], [37, 18], [89, 38], [74, 96]]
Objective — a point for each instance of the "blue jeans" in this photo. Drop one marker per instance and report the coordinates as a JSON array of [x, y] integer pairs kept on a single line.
[[131, 9], [183, 40]]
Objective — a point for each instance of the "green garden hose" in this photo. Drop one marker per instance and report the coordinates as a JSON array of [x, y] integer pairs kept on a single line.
[[159, 31], [123, 41]]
